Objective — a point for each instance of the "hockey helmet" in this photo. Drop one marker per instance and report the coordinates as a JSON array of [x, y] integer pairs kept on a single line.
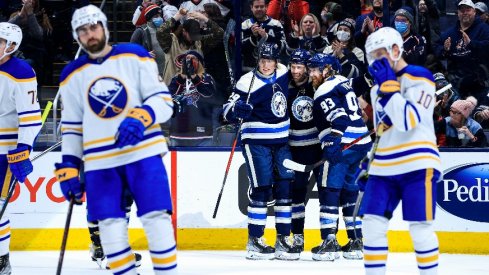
[[12, 34], [299, 56], [88, 15], [269, 51], [385, 37], [323, 61]]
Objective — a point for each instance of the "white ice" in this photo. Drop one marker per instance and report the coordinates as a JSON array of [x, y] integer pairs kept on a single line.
[[234, 262]]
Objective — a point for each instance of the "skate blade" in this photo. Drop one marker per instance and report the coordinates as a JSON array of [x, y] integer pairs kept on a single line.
[[328, 256], [285, 256], [353, 255], [252, 255]]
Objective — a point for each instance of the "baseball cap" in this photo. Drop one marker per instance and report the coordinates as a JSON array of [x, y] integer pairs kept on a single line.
[[480, 6], [192, 26], [467, 3]]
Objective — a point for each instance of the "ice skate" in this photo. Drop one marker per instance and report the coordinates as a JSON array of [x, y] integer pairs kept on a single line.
[[353, 250], [258, 249], [299, 241], [5, 268], [285, 249], [329, 250], [97, 254]]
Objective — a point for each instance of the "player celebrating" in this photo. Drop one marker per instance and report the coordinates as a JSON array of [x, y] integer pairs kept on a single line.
[[260, 101], [338, 118], [113, 103], [303, 137], [20, 123], [406, 164]]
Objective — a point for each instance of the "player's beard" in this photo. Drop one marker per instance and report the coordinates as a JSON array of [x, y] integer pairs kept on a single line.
[[317, 81], [95, 47]]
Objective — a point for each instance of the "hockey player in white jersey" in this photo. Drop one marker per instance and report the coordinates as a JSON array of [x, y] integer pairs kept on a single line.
[[19, 124], [113, 104], [406, 164], [338, 119], [260, 101]]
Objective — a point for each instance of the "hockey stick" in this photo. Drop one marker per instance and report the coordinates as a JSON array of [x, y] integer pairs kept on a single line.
[[229, 29], [13, 182], [230, 159], [65, 236], [292, 165]]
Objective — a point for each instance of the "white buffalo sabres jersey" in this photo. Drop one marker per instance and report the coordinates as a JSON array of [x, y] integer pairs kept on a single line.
[[409, 143], [97, 95], [20, 116]]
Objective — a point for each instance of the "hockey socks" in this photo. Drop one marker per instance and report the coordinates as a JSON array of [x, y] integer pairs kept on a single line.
[[113, 234], [348, 200], [329, 200], [4, 236], [426, 247], [375, 244]]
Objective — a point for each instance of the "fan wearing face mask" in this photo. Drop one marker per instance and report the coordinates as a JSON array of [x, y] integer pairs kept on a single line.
[[145, 35], [414, 44], [343, 47]]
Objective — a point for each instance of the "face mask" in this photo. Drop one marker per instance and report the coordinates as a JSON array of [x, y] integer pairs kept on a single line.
[[157, 21], [401, 27], [378, 9], [343, 36]]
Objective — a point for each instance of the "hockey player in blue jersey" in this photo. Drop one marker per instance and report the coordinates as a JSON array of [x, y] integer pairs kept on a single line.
[[113, 104], [303, 137], [338, 119], [406, 164], [19, 125], [260, 102]]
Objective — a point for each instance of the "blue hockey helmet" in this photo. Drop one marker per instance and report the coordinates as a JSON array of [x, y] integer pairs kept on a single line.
[[299, 56], [322, 61], [269, 51]]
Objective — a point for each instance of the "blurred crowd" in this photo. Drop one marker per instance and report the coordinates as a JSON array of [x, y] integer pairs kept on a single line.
[[194, 44]]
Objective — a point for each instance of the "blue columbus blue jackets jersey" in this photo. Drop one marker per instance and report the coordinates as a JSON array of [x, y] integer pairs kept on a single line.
[[97, 95], [269, 121], [336, 110], [302, 131], [19, 109]]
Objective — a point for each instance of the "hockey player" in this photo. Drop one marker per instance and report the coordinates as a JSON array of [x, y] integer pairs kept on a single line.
[[338, 119], [406, 164], [113, 103], [19, 126], [303, 137], [260, 102]]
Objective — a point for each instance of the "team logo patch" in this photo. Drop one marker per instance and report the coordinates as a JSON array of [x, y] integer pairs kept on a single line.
[[107, 97], [302, 108], [279, 104]]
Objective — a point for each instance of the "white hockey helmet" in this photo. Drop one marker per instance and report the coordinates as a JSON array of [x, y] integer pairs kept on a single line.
[[12, 34], [88, 15], [385, 37]]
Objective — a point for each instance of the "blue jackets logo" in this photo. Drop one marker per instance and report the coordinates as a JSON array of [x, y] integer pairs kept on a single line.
[[464, 192]]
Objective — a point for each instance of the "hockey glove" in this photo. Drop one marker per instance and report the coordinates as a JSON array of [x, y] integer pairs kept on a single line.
[[361, 175], [131, 130], [67, 176], [19, 161], [242, 110], [385, 77], [332, 149], [179, 103]]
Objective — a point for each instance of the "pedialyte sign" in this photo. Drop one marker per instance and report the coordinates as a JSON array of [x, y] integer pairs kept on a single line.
[[464, 192]]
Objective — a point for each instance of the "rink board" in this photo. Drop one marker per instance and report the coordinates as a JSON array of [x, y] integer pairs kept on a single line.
[[38, 210]]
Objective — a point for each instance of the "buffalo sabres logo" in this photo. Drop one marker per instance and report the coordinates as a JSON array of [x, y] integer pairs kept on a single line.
[[302, 108], [107, 97], [279, 104]]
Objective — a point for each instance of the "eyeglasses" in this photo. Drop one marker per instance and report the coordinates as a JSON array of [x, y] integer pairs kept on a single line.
[[455, 112]]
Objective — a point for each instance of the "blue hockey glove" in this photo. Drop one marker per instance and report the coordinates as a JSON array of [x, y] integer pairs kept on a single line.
[[19, 161], [131, 130], [179, 103], [242, 110], [384, 76], [332, 149], [67, 176], [361, 175]]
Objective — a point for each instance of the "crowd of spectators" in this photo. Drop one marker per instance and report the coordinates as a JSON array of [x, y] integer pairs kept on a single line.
[[456, 52]]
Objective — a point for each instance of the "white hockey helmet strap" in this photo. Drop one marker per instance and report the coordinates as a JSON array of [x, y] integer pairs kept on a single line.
[[11, 33], [88, 15], [385, 37]]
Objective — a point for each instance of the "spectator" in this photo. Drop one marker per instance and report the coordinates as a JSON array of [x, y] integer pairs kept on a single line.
[[429, 27], [465, 47], [194, 89], [294, 12], [187, 37], [259, 26], [368, 23], [344, 35], [145, 35], [481, 115], [138, 18], [306, 35], [331, 15], [481, 11], [414, 44], [459, 128], [444, 100], [198, 5]]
